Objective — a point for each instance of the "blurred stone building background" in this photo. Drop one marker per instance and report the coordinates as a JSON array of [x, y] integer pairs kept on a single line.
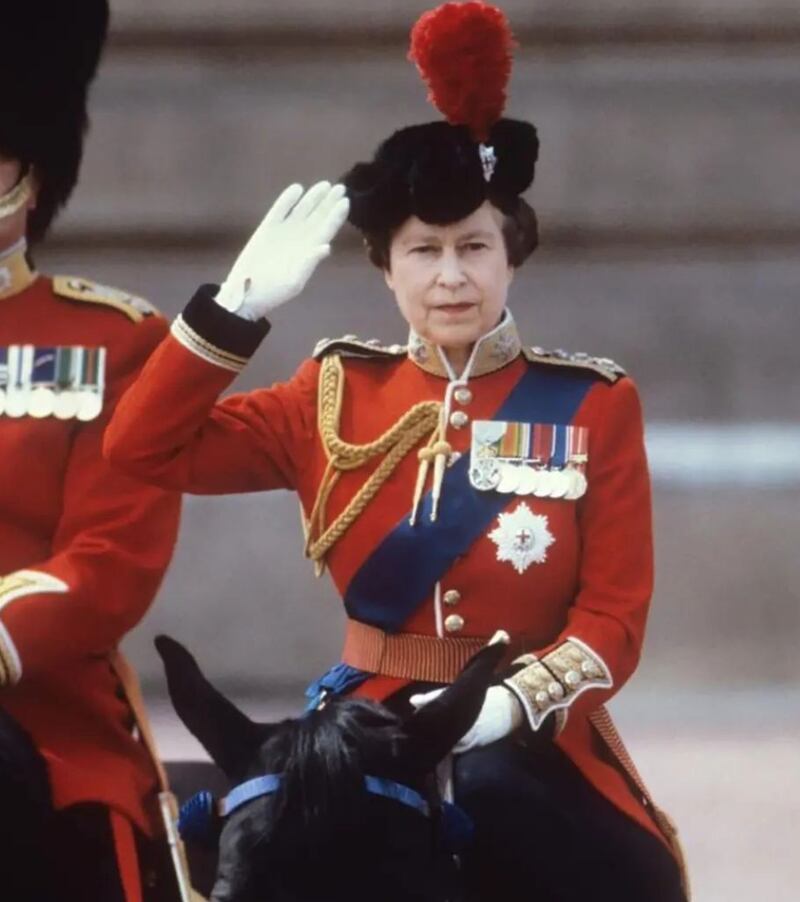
[[669, 196]]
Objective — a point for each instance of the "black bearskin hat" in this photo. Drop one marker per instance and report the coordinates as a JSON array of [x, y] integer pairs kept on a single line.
[[434, 171], [49, 58], [443, 171]]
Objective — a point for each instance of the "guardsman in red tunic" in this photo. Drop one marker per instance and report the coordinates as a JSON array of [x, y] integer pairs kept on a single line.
[[83, 548], [458, 485]]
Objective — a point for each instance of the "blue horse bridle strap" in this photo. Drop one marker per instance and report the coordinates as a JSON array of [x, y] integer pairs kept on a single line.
[[246, 792], [270, 783], [201, 817], [398, 793]]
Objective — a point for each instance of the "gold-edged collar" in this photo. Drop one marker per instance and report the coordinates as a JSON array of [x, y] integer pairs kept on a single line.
[[15, 274], [491, 352]]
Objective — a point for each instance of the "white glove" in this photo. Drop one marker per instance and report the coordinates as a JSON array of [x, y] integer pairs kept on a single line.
[[284, 250], [500, 715]]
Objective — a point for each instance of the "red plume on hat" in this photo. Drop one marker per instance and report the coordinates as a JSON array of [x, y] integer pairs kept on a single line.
[[443, 171], [463, 53]]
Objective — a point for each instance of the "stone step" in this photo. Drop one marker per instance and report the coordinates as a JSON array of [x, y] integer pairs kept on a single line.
[[706, 340], [654, 149]]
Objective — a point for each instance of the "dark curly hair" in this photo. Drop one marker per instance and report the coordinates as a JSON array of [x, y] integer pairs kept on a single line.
[[520, 234]]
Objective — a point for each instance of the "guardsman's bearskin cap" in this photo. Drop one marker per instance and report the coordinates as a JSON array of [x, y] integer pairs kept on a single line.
[[442, 171], [51, 50]]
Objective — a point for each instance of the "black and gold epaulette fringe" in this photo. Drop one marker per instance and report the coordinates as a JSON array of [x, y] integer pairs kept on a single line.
[[603, 366], [351, 346], [77, 289]]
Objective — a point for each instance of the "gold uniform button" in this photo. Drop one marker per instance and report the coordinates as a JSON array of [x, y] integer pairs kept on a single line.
[[556, 691], [454, 623], [462, 395], [451, 597], [458, 419], [589, 670]]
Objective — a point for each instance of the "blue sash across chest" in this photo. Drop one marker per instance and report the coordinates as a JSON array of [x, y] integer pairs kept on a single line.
[[404, 568]]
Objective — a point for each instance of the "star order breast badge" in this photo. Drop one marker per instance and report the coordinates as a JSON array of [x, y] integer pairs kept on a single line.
[[522, 537]]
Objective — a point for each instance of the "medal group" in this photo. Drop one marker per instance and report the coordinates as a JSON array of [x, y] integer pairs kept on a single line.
[[62, 382], [546, 460]]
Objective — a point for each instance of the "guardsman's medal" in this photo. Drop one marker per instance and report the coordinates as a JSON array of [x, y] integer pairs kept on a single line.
[[92, 378], [42, 399], [20, 364], [65, 382], [66, 404]]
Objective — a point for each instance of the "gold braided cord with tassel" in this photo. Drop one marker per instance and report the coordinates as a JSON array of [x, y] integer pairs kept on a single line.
[[419, 421]]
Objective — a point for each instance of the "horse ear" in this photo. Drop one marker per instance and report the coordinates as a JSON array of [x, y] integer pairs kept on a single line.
[[434, 729], [230, 737]]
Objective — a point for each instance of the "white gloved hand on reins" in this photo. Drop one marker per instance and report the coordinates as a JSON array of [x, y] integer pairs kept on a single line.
[[284, 250], [500, 715]]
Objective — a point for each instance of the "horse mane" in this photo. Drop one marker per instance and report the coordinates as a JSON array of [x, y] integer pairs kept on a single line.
[[324, 757]]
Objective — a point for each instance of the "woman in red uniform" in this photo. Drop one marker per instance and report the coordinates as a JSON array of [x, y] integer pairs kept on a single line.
[[83, 547], [459, 485]]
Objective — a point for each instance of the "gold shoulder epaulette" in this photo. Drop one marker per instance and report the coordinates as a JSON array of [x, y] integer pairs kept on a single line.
[[351, 346], [77, 289], [603, 366]]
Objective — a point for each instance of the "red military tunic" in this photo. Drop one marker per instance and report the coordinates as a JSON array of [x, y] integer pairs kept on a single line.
[[83, 547], [588, 593]]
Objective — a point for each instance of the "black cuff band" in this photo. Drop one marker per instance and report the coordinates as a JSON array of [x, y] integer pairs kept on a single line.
[[221, 328]]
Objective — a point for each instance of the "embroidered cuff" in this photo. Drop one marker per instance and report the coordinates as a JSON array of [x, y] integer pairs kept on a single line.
[[28, 582], [216, 334], [551, 684]]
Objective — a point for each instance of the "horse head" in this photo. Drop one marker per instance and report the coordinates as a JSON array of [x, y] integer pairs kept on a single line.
[[338, 804]]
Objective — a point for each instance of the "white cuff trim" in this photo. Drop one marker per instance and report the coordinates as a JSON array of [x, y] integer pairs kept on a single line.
[[10, 663], [202, 348], [28, 582]]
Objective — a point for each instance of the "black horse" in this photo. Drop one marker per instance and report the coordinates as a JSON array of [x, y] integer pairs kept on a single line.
[[340, 804]]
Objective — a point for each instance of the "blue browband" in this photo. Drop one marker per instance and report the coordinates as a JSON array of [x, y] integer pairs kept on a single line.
[[269, 783], [249, 790], [201, 816]]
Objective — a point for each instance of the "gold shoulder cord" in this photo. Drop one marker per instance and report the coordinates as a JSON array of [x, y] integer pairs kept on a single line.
[[394, 444]]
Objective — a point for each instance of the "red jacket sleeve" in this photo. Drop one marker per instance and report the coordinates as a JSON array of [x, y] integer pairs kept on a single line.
[[599, 647], [170, 429], [114, 539]]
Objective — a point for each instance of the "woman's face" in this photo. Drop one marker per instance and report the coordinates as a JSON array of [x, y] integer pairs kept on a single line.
[[451, 281]]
